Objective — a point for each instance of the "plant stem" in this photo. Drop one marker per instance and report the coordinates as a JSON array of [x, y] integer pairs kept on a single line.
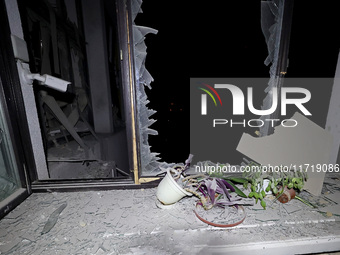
[[194, 176], [203, 199], [305, 202]]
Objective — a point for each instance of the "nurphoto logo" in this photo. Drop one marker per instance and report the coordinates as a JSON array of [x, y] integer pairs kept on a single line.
[[238, 100]]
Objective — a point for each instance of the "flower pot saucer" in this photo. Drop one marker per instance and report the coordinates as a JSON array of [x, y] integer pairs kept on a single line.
[[163, 206]]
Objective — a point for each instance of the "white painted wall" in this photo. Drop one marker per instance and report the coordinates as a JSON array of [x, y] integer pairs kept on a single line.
[[28, 95]]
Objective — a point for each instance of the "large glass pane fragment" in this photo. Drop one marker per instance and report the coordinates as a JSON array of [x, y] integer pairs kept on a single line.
[[9, 179]]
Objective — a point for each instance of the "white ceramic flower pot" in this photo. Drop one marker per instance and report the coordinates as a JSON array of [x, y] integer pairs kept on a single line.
[[265, 185], [168, 191]]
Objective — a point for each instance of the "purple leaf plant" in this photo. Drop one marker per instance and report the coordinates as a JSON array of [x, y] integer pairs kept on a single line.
[[211, 191]]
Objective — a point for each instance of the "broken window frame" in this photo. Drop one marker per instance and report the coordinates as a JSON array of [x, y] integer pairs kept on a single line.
[[144, 164], [278, 48], [281, 11], [14, 113], [132, 104], [125, 42], [127, 64], [149, 164]]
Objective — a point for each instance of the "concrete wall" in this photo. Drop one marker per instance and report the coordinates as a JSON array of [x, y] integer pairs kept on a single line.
[[96, 48], [114, 148]]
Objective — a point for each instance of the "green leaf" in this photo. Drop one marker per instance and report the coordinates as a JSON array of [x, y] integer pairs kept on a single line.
[[237, 190], [263, 193], [237, 179], [275, 190], [272, 185], [263, 204], [216, 174], [251, 194]]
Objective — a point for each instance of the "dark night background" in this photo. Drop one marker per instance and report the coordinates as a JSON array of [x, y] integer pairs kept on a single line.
[[211, 39]]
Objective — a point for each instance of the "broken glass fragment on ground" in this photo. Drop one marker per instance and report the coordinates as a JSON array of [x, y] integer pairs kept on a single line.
[[52, 220]]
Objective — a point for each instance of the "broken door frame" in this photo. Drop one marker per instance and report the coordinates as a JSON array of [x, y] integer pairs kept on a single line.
[[125, 36], [11, 99], [128, 81]]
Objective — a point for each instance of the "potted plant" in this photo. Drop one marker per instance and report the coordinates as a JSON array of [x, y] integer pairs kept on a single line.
[[211, 191], [170, 189], [283, 184]]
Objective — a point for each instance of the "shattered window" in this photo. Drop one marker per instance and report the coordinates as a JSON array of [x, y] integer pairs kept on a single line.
[[274, 23], [149, 160], [271, 23]]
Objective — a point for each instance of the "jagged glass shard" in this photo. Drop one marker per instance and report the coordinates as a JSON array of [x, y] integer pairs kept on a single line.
[[140, 49], [140, 32], [146, 30], [149, 160], [141, 56], [271, 24], [146, 78], [52, 220], [151, 131], [151, 121], [151, 112], [146, 121], [138, 37], [136, 8], [147, 112]]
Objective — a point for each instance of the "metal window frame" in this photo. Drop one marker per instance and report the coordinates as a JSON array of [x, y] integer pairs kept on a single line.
[[15, 116], [282, 64], [129, 85]]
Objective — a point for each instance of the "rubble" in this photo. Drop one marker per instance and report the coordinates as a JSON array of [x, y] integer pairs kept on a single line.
[[129, 222]]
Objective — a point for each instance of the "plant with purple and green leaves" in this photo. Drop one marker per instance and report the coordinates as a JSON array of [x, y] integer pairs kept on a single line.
[[211, 191], [214, 192], [232, 180]]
